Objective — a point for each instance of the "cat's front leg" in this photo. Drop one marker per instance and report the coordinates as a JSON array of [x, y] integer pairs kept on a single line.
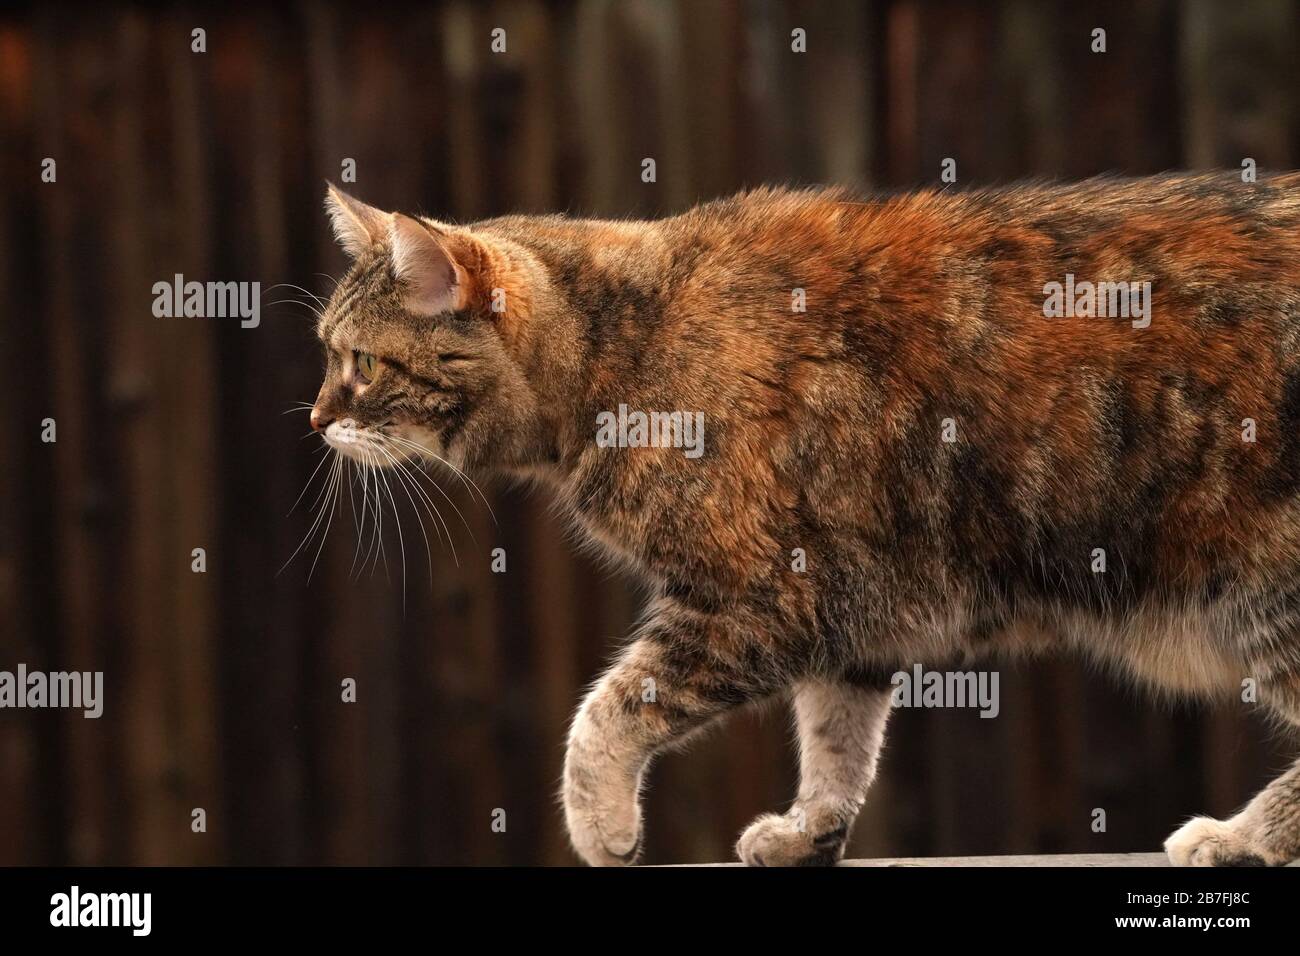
[[603, 764], [841, 730], [686, 669]]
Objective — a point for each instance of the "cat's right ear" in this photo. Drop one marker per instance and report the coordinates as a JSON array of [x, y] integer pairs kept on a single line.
[[433, 281], [356, 226]]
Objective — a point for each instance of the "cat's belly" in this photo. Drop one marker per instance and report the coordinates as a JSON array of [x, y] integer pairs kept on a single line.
[[1183, 651], [1197, 651]]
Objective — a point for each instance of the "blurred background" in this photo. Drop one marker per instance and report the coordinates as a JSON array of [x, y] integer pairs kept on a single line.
[[222, 689]]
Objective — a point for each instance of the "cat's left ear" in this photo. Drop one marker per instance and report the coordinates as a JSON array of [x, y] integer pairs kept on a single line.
[[357, 226], [433, 281]]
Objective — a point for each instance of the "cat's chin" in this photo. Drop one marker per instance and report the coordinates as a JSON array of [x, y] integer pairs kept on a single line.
[[417, 441]]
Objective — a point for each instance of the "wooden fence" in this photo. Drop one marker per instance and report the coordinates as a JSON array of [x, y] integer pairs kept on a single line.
[[223, 687]]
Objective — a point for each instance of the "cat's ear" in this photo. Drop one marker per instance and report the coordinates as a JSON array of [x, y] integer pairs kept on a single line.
[[432, 279], [357, 226]]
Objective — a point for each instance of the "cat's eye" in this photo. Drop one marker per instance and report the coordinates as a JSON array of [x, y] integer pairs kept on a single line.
[[367, 365]]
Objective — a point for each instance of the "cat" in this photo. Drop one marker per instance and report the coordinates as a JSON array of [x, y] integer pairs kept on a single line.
[[911, 454]]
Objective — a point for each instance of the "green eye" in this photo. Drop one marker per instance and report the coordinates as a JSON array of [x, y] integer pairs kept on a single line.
[[367, 365]]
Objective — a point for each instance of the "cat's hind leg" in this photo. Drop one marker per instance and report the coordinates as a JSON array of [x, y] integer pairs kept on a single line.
[[1265, 833], [841, 728]]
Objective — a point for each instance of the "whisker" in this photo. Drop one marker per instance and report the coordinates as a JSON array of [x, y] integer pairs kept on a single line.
[[404, 481], [432, 508], [380, 550], [465, 479], [437, 512], [310, 531], [401, 540], [371, 548], [338, 463], [309, 305], [290, 285], [306, 305], [330, 502], [367, 466], [429, 478], [357, 473], [319, 464], [469, 482]]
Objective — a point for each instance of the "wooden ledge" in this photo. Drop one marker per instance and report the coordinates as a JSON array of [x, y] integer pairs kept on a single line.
[[1047, 859]]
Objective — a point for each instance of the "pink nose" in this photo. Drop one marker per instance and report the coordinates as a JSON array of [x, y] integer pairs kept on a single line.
[[318, 422]]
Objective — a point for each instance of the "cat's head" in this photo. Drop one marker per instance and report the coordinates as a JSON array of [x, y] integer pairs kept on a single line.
[[421, 342]]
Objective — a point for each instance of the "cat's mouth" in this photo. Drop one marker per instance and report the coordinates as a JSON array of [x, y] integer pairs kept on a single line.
[[363, 443], [381, 445]]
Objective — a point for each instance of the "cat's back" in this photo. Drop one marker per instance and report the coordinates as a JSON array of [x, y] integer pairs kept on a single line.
[[998, 385]]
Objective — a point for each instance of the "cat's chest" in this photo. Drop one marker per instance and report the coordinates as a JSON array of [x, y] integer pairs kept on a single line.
[[611, 540], [614, 515]]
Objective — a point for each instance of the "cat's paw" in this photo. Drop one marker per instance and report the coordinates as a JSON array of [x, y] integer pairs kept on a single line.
[[785, 840], [604, 820], [1204, 841]]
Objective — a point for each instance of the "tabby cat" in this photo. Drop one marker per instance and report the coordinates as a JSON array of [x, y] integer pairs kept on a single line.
[[923, 444]]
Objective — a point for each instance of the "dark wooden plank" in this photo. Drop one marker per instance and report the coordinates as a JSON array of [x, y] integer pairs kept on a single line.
[[84, 626], [1048, 859], [138, 361], [181, 244], [25, 508]]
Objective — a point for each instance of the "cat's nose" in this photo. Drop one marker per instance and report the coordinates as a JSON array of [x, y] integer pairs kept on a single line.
[[319, 421]]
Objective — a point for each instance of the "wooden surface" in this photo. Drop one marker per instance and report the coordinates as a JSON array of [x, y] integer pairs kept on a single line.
[[1045, 859]]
